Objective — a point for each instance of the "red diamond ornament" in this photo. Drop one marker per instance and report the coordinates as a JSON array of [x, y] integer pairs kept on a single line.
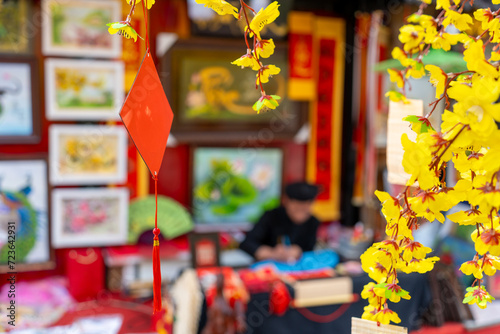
[[147, 115]]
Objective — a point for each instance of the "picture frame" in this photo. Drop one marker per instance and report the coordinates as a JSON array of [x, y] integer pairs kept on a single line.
[[87, 154], [205, 249], [88, 217], [14, 22], [19, 96], [24, 201], [85, 34], [188, 71], [98, 96], [233, 186]]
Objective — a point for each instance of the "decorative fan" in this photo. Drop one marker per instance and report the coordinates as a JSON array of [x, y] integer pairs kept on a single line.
[[173, 217]]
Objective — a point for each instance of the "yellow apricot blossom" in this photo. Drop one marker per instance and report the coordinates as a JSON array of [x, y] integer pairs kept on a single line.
[[258, 49], [399, 54], [265, 48], [468, 136], [472, 268], [469, 217], [247, 60], [416, 161], [124, 29], [476, 61], [149, 3], [369, 312], [416, 69], [385, 316], [264, 17], [412, 37], [490, 264], [221, 7], [445, 4], [420, 266], [438, 79], [487, 241], [396, 77], [484, 15], [459, 21], [369, 293], [477, 295], [265, 72]]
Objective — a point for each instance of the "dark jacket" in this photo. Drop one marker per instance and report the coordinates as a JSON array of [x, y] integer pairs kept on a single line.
[[275, 224]]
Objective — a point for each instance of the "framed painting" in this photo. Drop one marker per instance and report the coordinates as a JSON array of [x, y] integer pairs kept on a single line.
[[86, 217], [234, 186], [78, 28], [87, 154], [84, 89], [14, 34], [212, 99], [19, 101], [24, 212]]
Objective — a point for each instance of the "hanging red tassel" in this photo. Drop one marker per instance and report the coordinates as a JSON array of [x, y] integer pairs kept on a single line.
[[156, 272], [156, 257]]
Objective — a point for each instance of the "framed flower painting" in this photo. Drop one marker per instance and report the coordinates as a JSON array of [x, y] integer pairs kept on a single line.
[[78, 28], [84, 89], [85, 217], [87, 154]]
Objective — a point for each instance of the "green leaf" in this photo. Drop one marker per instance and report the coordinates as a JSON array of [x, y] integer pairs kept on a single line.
[[468, 299], [274, 102], [258, 105], [116, 25], [402, 293], [411, 118], [276, 97], [419, 124]]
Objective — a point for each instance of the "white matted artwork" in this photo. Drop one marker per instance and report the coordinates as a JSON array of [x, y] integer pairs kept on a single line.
[[78, 28], [87, 154], [85, 217], [84, 89]]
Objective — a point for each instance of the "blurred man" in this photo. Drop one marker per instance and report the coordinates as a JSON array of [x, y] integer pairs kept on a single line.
[[284, 233]]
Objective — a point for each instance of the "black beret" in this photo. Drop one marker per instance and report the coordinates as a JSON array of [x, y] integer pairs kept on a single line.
[[301, 191]]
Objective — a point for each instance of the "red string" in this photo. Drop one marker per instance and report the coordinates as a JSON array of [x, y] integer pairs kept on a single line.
[[327, 317], [144, 5], [156, 255], [324, 318], [155, 177]]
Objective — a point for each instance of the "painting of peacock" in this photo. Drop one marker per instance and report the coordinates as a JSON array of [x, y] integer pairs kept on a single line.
[[16, 207]]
